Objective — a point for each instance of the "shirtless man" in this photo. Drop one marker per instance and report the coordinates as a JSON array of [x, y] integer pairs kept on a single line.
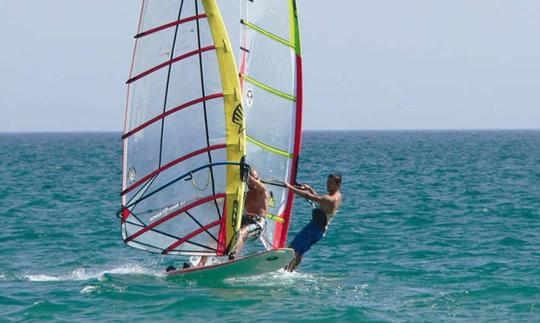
[[255, 209], [321, 216]]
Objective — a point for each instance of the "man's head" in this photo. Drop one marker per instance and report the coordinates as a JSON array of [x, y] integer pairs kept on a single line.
[[252, 175], [333, 183]]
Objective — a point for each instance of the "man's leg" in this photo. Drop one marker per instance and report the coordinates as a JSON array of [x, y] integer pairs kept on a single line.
[[203, 261], [302, 242], [299, 245], [294, 262], [240, 242]]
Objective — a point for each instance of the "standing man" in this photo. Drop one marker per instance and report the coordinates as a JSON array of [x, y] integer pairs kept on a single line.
[[315, 230]]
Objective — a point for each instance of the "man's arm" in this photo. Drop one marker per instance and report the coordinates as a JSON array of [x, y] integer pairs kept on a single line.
[[257, 185], [308, 188], [307, 193]]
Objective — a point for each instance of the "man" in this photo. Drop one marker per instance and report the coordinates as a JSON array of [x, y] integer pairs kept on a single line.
[[321, 217], [255, 209]]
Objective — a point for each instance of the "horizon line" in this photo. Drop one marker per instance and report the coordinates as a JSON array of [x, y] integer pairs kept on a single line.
[[304, 130]]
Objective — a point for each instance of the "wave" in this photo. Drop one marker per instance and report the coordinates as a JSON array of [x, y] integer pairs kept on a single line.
[[82, 274], [278, 278], [41, 278]]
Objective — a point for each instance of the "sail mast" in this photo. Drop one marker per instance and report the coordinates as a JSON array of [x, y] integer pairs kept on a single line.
[[234, 116]]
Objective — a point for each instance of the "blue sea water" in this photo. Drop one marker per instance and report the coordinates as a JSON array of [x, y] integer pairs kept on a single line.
[[435, 226]]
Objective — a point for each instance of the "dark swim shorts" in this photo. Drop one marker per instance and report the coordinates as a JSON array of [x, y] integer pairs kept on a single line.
[[306, 238], [254, 225]]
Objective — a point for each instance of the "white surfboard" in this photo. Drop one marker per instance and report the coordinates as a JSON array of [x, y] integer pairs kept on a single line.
[[256, 264]]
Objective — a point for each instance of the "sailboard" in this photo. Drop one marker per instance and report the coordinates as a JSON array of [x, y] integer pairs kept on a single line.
[[188, 139], [252, 265]]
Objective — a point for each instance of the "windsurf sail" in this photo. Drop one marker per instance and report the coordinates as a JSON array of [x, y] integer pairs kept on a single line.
[[271, 78], [184, 138]]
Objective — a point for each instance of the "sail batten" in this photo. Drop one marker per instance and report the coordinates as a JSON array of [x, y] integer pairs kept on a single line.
[[267, 33], [269, 148], [174, 214], [171, 111], [191, 235], [179, 238], [268, 88], [169, 25], [170, 62], [169, 165], [189, 174]]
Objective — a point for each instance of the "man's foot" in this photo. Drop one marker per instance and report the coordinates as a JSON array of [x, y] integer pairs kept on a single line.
[[232, 256], [289, 268], [185, 265], [170, 268]]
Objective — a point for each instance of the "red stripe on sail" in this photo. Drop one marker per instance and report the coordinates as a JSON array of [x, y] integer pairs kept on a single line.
[[243, 63], [171, 164], [174, 214], [282, 228], [169, 62], [171, 111], [171, 24], [222, 237], [189, 236]]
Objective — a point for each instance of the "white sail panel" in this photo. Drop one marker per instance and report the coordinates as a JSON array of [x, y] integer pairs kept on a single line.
[[178, 151], [270, 67], [276, 114]]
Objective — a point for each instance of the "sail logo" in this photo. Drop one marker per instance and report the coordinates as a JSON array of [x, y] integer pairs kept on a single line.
[[131, 174], [164, 212], [250, 97], [238, 117]]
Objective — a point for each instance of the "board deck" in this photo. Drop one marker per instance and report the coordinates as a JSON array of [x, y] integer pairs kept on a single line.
[[257, 264]]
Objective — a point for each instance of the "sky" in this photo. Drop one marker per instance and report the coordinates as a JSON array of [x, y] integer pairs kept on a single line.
[[417, 64]]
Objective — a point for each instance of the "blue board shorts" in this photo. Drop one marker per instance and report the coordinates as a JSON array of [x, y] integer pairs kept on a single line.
[[306, 238]]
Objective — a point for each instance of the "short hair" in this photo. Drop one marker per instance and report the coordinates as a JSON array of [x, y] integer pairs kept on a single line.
[[336, 177]]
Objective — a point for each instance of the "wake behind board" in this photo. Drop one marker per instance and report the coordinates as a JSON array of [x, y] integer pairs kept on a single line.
[[257, 264]]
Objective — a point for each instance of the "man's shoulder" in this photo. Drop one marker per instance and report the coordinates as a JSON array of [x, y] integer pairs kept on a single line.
[[336, 197]]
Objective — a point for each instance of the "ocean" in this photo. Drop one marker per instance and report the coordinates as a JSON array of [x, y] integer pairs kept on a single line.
[[435, 226]]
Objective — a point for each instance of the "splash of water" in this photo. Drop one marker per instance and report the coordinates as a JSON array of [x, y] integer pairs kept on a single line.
[[82, 274]]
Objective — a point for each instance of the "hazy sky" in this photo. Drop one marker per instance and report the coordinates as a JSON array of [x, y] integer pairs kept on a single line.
[[368, 64]]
